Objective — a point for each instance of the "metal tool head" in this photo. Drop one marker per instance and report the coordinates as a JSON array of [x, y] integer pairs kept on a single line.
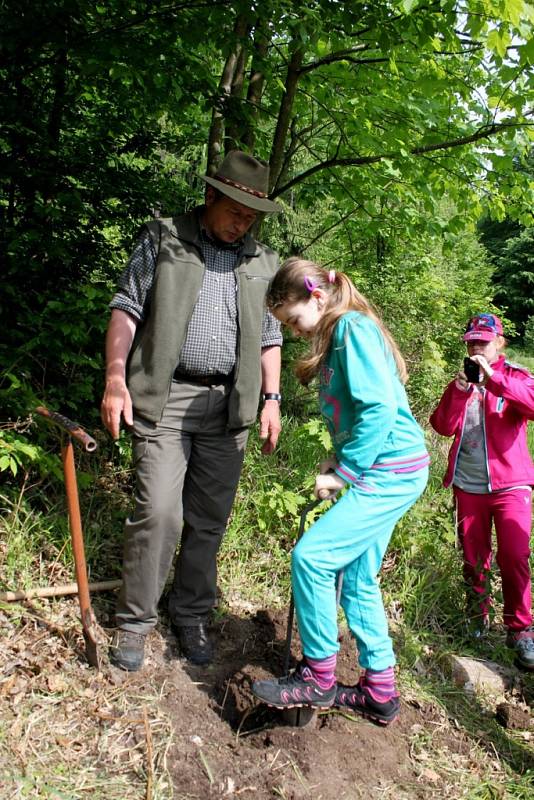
[[91, 644], [305, 717], [91, 650]]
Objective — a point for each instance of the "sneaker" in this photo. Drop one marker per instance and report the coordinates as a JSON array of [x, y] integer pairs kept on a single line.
[[127, 650], [297, 689], [194, 643], [359, 699], [522, 642]]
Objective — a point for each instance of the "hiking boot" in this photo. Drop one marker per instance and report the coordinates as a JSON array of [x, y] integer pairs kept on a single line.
[[127, 650], [299, 688], [522, 642], [194, 643], [359, 699]]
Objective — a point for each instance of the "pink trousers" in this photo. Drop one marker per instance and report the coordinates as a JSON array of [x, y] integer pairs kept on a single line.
[[511, 512]]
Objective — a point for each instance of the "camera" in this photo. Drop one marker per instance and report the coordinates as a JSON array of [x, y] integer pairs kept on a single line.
[[472, 370]]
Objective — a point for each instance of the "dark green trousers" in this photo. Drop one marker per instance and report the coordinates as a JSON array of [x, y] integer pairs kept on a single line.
[[187, 471]]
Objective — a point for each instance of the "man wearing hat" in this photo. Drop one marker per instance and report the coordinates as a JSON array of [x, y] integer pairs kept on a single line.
[[189, 350]]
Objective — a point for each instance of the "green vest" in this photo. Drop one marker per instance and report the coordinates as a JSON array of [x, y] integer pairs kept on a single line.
[[159, 338]]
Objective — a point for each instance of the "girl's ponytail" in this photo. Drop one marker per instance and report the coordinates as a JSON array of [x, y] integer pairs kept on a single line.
[[295, 281]]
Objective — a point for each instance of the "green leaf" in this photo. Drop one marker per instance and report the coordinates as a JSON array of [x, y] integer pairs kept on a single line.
[[514, 10], [408, 5], [497, 42]]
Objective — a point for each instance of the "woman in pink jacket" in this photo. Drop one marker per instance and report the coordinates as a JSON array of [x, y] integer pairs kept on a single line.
[[492, 474]]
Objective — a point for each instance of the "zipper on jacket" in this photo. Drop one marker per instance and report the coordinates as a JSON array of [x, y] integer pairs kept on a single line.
[[485, 437], [457, 456]]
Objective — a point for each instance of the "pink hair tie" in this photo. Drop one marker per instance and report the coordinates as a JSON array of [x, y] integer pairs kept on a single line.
[[310, 284], [332, 276]]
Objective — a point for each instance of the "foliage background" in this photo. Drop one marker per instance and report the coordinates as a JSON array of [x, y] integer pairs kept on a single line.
[[399, 141], [399, 138]]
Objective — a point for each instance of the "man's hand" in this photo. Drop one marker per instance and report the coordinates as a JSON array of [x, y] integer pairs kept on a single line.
[[116, 402], [270, 425], [328, 485]]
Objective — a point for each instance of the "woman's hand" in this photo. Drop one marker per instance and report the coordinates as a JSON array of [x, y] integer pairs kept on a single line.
[[328, 485]]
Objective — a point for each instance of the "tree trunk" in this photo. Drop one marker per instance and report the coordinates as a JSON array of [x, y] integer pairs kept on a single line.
[[217, 128], [284, 114], [256, 83], [235, 117]]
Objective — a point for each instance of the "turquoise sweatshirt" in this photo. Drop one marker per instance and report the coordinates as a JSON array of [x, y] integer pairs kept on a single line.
[[364, 403]]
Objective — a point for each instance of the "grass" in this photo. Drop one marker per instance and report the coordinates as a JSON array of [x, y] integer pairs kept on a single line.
[[423, 593], [522, 357]]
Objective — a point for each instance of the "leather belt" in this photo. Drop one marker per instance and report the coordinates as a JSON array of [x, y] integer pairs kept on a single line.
[[216, 379]]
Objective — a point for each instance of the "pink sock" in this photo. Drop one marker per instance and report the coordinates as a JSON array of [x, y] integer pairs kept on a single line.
[[323, 670], [380, 683]]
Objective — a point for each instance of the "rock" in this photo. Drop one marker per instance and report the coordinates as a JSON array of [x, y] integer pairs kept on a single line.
[[513, 717], [476, 675]]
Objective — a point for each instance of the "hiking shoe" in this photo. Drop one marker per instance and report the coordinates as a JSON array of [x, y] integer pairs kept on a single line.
[[522, 642], [359, 699], [299, 688], [127, 650], [194, 643]]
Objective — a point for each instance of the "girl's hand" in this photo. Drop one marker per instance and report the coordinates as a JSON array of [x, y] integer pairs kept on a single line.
[[484, 366], [461, 381], [327, 465], [328, 485]]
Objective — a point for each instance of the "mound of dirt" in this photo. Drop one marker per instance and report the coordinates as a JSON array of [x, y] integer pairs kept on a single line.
[[226, 745]]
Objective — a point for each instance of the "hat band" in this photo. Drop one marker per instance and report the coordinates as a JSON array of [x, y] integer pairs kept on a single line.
[[240, 186]]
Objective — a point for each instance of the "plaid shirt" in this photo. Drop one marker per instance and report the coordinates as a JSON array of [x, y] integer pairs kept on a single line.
[[210, 345]]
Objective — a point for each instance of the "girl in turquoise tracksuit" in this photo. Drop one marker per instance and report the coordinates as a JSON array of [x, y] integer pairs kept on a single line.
[[380, 456]]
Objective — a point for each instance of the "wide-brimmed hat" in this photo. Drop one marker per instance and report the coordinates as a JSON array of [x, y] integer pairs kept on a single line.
[[245, 179], [483, 328]]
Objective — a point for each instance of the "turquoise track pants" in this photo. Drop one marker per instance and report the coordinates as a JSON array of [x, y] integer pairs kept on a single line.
[[352, 536]]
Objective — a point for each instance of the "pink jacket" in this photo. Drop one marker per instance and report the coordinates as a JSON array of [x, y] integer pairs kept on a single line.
[[508, 405]]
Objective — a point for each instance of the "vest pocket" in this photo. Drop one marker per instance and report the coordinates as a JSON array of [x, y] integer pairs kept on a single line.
[[255, 288]]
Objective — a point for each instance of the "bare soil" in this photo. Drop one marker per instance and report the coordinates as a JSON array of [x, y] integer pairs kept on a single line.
[[189, 733], [226, 745]]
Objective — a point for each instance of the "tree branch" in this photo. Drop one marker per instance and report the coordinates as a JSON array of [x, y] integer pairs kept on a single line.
[[340, 55], [483, 133]]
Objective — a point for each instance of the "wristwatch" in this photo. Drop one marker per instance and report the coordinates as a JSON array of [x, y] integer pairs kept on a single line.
[[271, 396]]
